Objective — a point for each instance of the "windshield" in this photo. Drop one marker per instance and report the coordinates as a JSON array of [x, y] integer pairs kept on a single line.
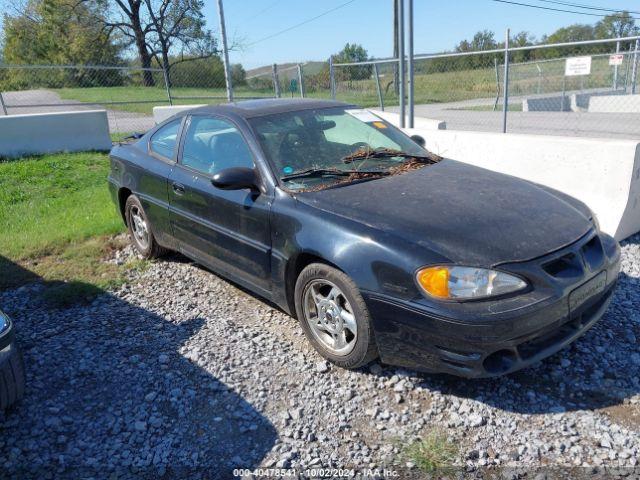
[[316, 148]]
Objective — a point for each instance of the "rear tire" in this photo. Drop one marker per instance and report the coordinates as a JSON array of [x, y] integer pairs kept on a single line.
[[11, 377], [140, 229], [334, 317]]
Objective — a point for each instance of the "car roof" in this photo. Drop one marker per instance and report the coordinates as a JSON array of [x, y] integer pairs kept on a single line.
[[268, 106]]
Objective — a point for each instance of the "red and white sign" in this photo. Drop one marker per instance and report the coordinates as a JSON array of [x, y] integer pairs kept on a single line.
[[616, 59]]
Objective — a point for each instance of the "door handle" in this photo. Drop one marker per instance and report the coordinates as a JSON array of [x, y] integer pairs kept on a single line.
[[178, 188]]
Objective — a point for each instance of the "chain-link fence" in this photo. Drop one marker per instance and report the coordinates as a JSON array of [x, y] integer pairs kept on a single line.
[[577, 89], [581, 88], [128, 93]]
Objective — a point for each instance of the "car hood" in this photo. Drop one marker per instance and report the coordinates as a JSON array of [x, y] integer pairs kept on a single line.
[[468, 214]]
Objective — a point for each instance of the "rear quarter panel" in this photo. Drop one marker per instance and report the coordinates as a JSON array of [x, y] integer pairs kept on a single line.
[[146, 177]]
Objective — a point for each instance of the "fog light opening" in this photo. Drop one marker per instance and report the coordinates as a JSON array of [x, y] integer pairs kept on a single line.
[[500, 361]]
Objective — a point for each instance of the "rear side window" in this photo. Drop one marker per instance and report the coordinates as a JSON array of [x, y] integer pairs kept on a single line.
[[165, 140]]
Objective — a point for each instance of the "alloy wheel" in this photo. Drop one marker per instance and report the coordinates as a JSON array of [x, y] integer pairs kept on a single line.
[[139, 227], [330, 317]]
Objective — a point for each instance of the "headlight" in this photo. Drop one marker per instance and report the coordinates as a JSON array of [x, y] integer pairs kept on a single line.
[[4, 322], [460, 283]]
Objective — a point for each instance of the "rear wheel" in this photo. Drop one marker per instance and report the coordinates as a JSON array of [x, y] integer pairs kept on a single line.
[[140, 230], [334, 317]]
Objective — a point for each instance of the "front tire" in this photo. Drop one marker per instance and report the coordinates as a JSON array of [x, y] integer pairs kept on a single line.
[[334, 317], [140, 229]]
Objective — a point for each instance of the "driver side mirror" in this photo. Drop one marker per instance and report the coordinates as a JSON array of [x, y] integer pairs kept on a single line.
[[419, 140], [235, 178]]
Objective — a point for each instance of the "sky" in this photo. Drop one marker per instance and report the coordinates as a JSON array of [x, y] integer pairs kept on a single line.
[[439, 25]]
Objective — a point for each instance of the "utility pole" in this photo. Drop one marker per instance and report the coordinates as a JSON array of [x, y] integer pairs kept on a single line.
[[225, 53], [396, 78], [401, 62], [410, 61]]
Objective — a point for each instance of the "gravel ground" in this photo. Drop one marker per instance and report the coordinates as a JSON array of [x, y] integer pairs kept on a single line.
[[180, 371]]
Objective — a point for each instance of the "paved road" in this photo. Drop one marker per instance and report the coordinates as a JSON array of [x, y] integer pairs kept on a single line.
[[582, 124], [119, 121]]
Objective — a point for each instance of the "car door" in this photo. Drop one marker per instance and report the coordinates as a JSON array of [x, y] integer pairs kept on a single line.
[[227, 230], [151, 175]]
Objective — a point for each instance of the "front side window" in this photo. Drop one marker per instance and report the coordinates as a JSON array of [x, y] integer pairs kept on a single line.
[[165, 140], [212, 144], [325, 139]]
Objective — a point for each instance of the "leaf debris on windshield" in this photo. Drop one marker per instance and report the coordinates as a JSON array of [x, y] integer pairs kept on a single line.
[[412, 163]]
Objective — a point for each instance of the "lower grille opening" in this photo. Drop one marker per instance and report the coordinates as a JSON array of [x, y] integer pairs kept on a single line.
[[500, 361]]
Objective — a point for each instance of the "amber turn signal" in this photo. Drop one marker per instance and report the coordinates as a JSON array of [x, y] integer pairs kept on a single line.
[[435, 281]]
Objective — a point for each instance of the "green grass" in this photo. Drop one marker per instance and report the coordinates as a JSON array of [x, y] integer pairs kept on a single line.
[[155, 95], [57, 222], [436, 87], [434, 452]]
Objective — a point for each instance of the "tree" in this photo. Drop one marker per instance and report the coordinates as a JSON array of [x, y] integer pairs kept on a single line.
[[165, 31], [482, 40], [522, 39], [56, 32], [238, 74], [353, 52], [573, 33], [618, 25]]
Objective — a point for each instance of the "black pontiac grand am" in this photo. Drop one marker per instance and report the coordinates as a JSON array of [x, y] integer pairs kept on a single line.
[[377, 246]]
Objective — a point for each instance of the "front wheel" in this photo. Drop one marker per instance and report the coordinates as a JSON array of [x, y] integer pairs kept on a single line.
[[334, 317]]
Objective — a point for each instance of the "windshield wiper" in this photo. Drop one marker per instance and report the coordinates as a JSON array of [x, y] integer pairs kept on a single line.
[[382, 153], [330, 172]]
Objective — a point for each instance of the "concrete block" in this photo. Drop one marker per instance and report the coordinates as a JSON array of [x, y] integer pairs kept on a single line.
[[602, 173], [556, 103], [38, 133], [160, 114], [614, 104], [418, 122]]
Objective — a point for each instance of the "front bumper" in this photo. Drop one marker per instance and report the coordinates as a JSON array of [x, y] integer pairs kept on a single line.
[[495, 337]]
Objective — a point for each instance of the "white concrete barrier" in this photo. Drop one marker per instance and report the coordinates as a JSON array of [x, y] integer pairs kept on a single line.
[[419, 123], [615, 104], [556, 103], [160, 114], [38, 133], [603, 173]]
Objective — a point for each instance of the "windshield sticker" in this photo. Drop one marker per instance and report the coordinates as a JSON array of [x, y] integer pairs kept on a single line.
[[363, 115], [287, 170], [379, 125]]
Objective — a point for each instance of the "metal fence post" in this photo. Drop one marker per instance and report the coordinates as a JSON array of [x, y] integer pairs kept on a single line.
[[615, 69], [401, 71], [495, 104], [380, 99], [276, 81], [225, 52], [410, 69], [332, 78], [634, 71], [300, 81], [505, 101], [165, 74], [4, 107]]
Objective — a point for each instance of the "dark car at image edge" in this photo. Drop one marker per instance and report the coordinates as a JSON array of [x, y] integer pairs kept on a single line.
[[12, 380], [443, 268]]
